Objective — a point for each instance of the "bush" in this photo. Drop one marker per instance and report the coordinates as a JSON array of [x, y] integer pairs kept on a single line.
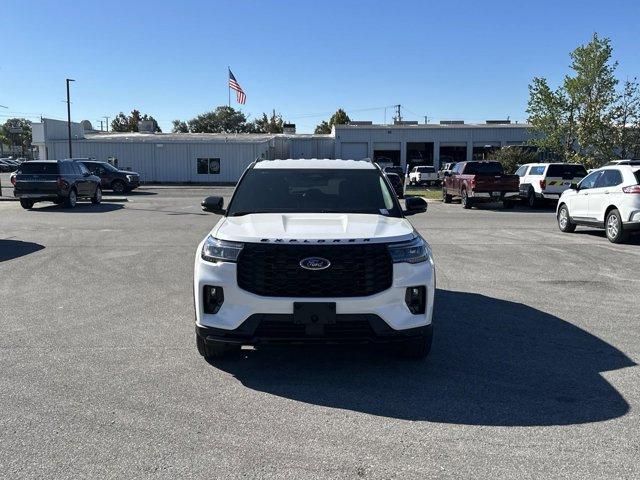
[[512, 157]]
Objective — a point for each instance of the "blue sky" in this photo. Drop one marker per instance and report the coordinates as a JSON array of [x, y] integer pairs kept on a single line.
[[468, 60]]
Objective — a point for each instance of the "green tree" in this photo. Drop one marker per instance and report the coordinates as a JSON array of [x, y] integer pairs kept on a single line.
[[272, 124], [179, 127], [576, 121], [338, 118], [511, 157], [627, 121], [222, 120], [322, 128], [23, 139], [129, 123]]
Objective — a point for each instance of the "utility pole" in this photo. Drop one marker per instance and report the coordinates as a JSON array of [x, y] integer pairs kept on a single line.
[[101, 129], [426, 119], [69, 116], [107, 123]]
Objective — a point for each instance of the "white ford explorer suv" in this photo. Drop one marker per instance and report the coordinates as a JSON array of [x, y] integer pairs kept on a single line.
[[607, 198], [313, 251]]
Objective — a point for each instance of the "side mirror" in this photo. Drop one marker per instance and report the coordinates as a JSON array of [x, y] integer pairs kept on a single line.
[[447, 173], [573, 186], [213, 205], [415, 205]]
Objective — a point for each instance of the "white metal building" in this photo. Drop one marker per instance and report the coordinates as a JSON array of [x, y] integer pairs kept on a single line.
[[221, 158]]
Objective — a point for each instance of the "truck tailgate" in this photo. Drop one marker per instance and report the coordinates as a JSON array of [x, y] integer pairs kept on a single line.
[[496, 183]]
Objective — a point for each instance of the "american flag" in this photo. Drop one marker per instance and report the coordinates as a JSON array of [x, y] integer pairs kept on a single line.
[[234, 85]]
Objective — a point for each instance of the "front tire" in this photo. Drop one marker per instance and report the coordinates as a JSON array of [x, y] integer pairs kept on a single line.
[[446, 198], [26, 204], [97, 196], [214, 350], [417, 348], [118, 186], [564, 220], [72, 199], [613, 227], [507, 204]]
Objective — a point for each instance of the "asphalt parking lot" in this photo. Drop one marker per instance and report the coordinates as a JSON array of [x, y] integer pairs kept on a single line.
[[532, 374]]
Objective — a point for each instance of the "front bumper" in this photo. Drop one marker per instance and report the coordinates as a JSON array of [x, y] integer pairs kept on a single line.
[[388, 305], [279, 329]]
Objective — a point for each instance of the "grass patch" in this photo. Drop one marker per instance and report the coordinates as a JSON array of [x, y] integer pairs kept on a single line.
[[429, 193]]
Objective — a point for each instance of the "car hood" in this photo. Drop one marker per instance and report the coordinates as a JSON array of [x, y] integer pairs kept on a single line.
[[314, 228]]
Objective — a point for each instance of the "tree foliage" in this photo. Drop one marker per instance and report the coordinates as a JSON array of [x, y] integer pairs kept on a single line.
[[179, 127], [272, 124], [222, 120], [23, 139], [626, 114], [511, 157], [338, 118], [585, 119], [322, 128], [129, 123], [226, 119]]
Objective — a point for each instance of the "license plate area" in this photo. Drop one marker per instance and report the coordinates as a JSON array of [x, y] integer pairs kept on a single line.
[[314, 313]]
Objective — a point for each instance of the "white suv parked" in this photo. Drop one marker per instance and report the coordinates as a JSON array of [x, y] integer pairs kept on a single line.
[[607, 198], [313, 251], [547, 181], [423, 175]]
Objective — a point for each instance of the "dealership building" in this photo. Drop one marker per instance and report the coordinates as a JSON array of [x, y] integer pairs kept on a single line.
[[207, 157]]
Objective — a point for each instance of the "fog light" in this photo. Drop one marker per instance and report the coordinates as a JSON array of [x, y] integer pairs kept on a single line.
[[213, 298], [416, 299]]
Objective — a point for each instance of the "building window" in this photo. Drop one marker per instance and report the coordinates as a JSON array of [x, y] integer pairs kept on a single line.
[[208, 166]]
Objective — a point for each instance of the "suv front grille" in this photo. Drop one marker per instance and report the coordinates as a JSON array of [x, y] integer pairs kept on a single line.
[[274, 270]]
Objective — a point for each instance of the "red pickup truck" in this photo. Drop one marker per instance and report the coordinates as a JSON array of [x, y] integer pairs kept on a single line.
[[481, 181]]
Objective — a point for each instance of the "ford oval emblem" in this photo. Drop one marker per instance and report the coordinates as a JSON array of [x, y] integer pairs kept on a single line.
[[315, 263]]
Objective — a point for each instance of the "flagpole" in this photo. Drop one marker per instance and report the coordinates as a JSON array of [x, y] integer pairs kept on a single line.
[[228, 86]]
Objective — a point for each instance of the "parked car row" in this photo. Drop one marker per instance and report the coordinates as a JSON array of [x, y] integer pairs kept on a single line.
[[9, 164], [63, 182]]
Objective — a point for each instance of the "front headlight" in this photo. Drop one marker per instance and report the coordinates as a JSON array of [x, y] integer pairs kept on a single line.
[[130, 178], [413, 251], [215, 250]]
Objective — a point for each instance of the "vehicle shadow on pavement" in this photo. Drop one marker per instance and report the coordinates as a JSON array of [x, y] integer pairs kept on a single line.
[[79, 208], [634, 238], [493, 362], [10, 249]]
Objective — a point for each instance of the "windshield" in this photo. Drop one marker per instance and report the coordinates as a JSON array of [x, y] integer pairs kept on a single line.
[[32, 168], [313, 191], [567, 171], [484, 168], [397, 170], [108, 166]]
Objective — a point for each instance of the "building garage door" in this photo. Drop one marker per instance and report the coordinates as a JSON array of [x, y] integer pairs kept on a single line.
[[354, 150]]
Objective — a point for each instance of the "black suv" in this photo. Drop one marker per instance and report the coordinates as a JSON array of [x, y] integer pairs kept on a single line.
[[120, 181], [57, 181]]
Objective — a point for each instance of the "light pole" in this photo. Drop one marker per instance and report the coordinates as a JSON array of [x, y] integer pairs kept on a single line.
[[69, 116]]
